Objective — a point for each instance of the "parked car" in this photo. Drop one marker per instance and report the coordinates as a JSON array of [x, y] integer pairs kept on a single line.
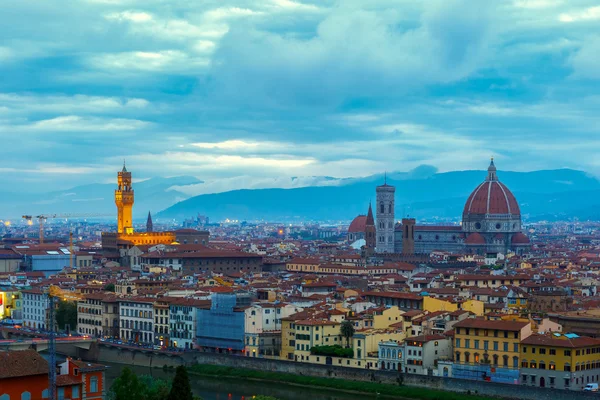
[[591, 387]]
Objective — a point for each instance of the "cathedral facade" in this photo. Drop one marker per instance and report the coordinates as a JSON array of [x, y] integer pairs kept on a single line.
[[491, 223]]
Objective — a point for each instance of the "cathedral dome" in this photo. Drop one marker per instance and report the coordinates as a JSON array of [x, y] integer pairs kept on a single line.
[[520, 239], [491, 197], [358, 224], [475, 239]]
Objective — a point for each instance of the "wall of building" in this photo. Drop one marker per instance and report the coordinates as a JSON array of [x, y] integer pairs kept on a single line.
[[114, 355]]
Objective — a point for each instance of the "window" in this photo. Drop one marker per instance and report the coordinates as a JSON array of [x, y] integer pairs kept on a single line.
[[567, 367], [542, 351], [568, 353], [552, 352], [523, 378], [496, 346], [515, 347], [467, 343], [505, 346], [45, 394], [93, 384], [27, 396], [60, 393]]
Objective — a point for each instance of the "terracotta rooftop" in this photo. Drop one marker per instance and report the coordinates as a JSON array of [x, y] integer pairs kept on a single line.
[[14, 364], [487, 324]]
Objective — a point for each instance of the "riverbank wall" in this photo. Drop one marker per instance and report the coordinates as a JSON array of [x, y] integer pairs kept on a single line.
[[158, 359]]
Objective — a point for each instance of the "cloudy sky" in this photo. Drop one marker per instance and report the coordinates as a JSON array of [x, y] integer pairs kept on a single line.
[[249, 91]]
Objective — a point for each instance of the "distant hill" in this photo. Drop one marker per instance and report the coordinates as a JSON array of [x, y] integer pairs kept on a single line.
[[422, 194]]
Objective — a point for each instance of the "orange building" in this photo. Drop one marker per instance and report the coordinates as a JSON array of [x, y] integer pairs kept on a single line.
[[80, 380], [23, 375]]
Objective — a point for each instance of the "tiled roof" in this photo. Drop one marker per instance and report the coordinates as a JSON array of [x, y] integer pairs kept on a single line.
[[14, 364], [486, 324]]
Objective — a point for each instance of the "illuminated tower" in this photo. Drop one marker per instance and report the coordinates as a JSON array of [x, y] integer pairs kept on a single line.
[[124, 201]]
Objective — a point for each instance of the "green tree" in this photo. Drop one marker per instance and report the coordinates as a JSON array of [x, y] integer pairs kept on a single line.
[[66, 314], [347, 331], [109, 288], [181, 389], [127, 387], [154, 389]]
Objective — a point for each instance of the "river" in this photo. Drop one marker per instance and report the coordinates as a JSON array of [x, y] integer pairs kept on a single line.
[[210, 388]]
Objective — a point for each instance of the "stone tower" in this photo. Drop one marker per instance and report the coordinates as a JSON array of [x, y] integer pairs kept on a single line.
[[370, 233], [124, 201], [149, 225], [385, 218], [408, 235]]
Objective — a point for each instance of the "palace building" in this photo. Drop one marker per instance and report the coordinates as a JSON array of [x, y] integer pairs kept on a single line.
[[126, 237], [491, 223]]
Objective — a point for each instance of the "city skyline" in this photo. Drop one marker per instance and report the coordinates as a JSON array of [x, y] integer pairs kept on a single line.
[[246, 93]]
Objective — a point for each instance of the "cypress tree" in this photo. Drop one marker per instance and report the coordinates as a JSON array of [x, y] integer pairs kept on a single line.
[[181, 388]]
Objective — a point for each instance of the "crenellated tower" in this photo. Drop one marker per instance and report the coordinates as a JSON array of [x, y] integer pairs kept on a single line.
[[124, 202]]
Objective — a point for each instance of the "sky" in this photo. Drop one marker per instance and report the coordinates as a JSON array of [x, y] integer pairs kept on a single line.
[[249, 93]]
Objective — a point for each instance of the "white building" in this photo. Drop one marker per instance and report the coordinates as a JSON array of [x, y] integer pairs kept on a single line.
[[182, 321], [262, 327], [136, 319], [390, 355], [422, 352], [35, 307]]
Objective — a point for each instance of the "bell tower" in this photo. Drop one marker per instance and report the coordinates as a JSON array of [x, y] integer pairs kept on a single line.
[[124, 201]]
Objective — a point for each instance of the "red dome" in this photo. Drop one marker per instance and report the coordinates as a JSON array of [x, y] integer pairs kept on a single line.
[[491, 197], [520, 238], [358, 224], [475, 238]]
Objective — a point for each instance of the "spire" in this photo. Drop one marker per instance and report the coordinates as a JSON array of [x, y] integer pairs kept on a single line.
[[492, 171], [124, 169], [370, 219], [149, 227]]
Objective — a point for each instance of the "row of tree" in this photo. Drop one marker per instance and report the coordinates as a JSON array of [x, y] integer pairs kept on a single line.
[[129, 387]]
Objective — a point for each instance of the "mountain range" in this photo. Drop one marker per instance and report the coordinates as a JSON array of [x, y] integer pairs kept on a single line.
[[422, 193]]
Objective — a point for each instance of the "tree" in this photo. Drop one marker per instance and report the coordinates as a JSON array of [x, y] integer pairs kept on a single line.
[[109, 288], [66, 314], [127, 387], [181, 389], [347, 331], [154, 389]]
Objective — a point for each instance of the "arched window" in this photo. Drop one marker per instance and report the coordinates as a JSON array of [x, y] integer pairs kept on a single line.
[[381, 208], [505, 360], [45, 394], [25, 396], [524, 363], [542, 365], [5, 397], [457, 356], [495, 357], [390, 208]]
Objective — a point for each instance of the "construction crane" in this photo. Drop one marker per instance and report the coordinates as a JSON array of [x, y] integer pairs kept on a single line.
[[43, 217], [54, 292]]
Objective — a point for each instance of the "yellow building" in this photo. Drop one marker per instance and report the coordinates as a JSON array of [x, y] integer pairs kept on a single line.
[[494, 343], [560, 361], [315, 332], [475, 306], [432, 304]]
